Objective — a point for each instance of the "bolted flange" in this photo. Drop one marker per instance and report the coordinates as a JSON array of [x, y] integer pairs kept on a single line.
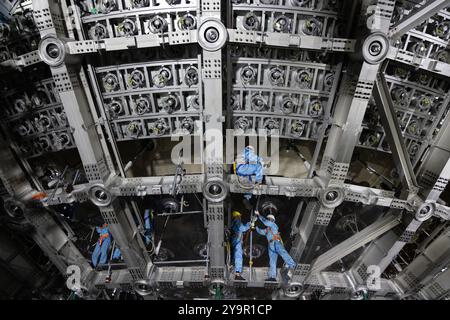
[[52, 51], [216, 284], [332, 197], [359, 294], [293, 290], [425, 211], [202, 250], [14, 209], [375, 48], [170, 205], [143, 287], [215, 190], [212, 34], [99, 195]]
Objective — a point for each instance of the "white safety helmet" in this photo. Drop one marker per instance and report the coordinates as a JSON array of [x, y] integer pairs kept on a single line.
[[271, 217]]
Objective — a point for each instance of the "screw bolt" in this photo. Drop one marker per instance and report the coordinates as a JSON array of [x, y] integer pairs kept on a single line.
[[375, 48], [211, 35], [52, 50]]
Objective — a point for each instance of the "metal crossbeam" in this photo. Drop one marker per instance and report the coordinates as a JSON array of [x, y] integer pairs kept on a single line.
[[437, 183], [434, 162], [355, 242], [178, 277], [273, 39], [76, 99], [8, 7], [49, 236], [423, 63], [392, 129], [360, 79], [343, 137], [212, 66], [422, 270], [416, 17], [438, 288], [24, 60]]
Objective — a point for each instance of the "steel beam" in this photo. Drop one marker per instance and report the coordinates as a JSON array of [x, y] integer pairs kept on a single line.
[[71, 84], [347, 119], [414, 225], [423, 63], [273, 39], [343, 136], [289, 187], [371, 256], [212, 68], [83, 47], [178, 277], [434, 161], [7, 8], [344, 133], [391, 127], [416, 17], [305, 230], [430, 140], [48, 235], [24, 60], [355, 242], [425, 267], [438, 288], [327, 114], [122, 225]]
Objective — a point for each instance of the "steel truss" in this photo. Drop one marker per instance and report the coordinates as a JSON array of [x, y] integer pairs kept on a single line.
[[80, 93]]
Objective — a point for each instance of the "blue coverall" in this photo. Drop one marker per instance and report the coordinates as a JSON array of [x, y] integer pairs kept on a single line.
[[147, 227], [102, 246], [117, 254], [236, 242], [252, 166], [275, 246]]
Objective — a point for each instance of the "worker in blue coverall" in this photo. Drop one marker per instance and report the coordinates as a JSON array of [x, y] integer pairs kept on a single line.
[[250, 164], [100, 254], [275, 245], [236, 242], [148, 216], [117, 254]]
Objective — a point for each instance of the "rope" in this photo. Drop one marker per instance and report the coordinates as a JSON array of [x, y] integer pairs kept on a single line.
[[251, 237], [218, 294]]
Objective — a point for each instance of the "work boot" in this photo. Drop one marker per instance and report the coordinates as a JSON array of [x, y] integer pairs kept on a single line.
[[286, 273], [270, 280], [238, 277], [290, 273]]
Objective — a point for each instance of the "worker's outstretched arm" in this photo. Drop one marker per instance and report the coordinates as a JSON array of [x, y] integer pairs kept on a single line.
[[266, 222], [261, 231], [260, 160], [245, 227]]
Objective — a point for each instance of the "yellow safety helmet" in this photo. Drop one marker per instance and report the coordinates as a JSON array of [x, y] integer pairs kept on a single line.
[[236, 214]]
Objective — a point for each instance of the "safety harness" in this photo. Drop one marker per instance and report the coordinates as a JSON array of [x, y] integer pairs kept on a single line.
[[276, 236], [102, 237]]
